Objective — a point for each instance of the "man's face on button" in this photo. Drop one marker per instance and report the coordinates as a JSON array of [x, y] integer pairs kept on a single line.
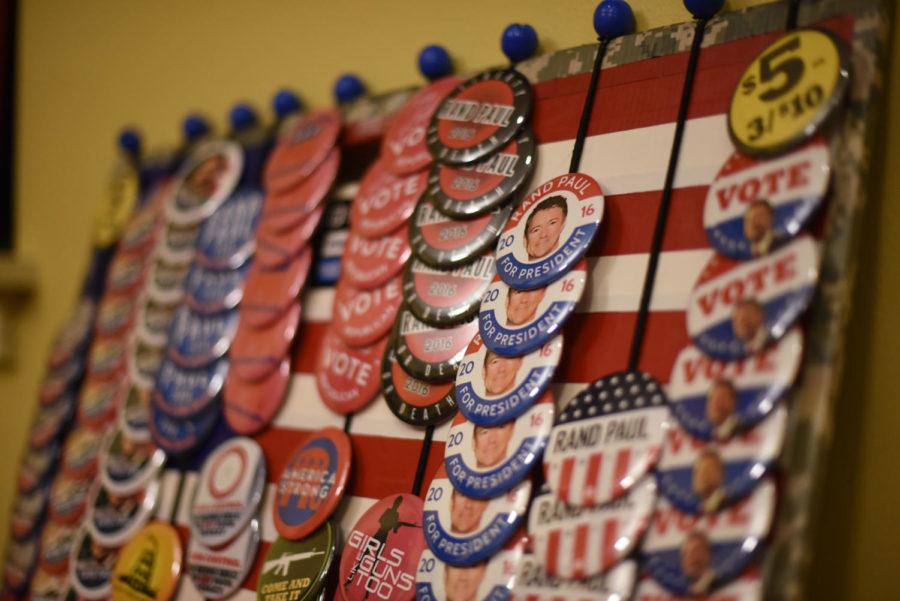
[[491, 443], [543, 231], [461, 584], [465, 513], [500, 372], [720, 402], [695, 556], [757, 221], [521, 305]]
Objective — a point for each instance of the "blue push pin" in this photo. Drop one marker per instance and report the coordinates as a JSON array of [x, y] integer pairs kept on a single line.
[[434, 62], [519, 41], [613, 18], [285, 102], [130, 142], [703, 9], [242, 116], [348, 87], [194, 126]]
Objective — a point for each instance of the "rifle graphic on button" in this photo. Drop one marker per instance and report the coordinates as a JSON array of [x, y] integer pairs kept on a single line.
[[280, 566]]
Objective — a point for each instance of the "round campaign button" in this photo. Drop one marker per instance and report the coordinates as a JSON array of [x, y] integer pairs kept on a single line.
[[297, 569], [491, 580], [464, 531], [485, 461], [144, 361], [550, 231], [115, 314], [715, 399], [736, 309], [464, 192], [106, 357], [347, 378], [60, 380], [205, 179], [756, 205], [479, 116], [90, 566], [578, 543], [692, 555], [492, 389], [114, 519], [286, 210], [312, 483], [196, 340], [81, 452], [165, 284], [227, 238], [176, 245], [606, 438], [362, 317], [412, 400], [125, 273], [153, 322], [229, 490], [126, 465], [444, 298], [219, 573], [21, 559], [746, 587], [369, 263], [50, 420], [48, 586], [429, 353], [702, 477], [384, 201], [134, 412], [215, 290], [56, 547], [382, 551], [268, 293], [515, 322], [534, 584], [72, 335], [274, 250], [403, 148], [303, 144], [28, 512], [788, 92], [257, 352], [184, 392], [140, 233], [180, 435], [149, 565], [444, 243], [38, 465], [68, 499], [251, 406]]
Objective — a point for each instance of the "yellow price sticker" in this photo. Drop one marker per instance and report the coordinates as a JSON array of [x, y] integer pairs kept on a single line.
[[116, 208], [788, 92]]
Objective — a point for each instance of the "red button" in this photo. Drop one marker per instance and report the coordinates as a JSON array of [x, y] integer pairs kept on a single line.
[[363, 316], [286, 210], [302, 146], [255, 352], [384, 201], [251, 406], [269, 292], [274, 250], [348, 378], [369, 263]]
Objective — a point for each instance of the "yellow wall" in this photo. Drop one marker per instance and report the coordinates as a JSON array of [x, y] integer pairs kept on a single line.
[[86, 68]]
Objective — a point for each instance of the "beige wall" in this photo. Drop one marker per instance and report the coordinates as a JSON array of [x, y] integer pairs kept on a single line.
[[86, 68]]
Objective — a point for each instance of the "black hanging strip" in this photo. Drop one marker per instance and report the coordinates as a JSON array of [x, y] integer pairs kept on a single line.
[[423, 460], [348, 421], [793, 9], [577, 149], [662, 214]]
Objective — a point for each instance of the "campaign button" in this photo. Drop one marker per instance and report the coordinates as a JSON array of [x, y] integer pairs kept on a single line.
[[384, 201], [165, 284], [50, 420], [134, 412], [534, 584], [227, 239], [414, 401], [196, 340], [114, 520], [275, 250], [144, 361], [219, 573], [445, 298], [184, 392], [369, 263], [90, 566], [463, 531], [251, 406], [444, 243], [550, 231], [382, 551], [56, 546], [479, 116], [149, 565], [403, 148], [49, 586], [492, 389], [287, 209], [206, 178], [737, 308], [348, 378], [256, 352], [81, 452], [297, 569], [140, 233], [60, 379], [268, 293], [115, 314], [69, 499], [106, 357], [702, 477], [515, 322], [37, 466], [606, 438], [485, 461], [180, 435], [21, 559], [28, 512], [488, 581], [153, 322], [746, 587], [125, 273], [215, 290], [578, 543], [228, 492], [303, 144], [429, 353], [362, 317], [693, 555], [715, 399], [464, 192], [128, 465], [177, 244], [312, 483]]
